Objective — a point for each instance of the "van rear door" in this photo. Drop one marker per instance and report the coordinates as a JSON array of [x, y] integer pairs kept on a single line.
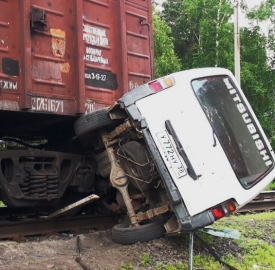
[[219, 145]]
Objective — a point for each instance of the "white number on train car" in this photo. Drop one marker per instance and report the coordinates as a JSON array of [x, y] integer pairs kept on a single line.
[[47, 104], [89, 107]]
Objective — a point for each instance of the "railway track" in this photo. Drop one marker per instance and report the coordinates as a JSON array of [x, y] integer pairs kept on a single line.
[[263, 202], [29, 224], [43, 226]]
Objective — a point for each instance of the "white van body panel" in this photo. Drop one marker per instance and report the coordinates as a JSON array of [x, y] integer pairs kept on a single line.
[[216, 181]]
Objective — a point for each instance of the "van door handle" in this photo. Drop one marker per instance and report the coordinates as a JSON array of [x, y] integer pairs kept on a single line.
[[171, 131]]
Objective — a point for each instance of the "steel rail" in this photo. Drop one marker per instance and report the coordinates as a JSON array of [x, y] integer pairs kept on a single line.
[[263, 202], [42, 226]]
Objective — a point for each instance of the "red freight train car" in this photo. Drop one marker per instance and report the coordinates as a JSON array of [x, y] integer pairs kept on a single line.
[[69, 57], [61, 59]]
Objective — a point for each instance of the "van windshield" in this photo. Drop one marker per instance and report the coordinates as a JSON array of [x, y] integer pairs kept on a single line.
[[234, 127]]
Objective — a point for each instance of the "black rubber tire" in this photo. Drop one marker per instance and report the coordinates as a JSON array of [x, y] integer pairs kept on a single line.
[[88, 123], [125, 235], [137, 153]]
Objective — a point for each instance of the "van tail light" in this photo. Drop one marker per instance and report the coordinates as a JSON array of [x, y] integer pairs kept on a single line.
[[223, 209], [162, 83], [231, 206], [218, 212]]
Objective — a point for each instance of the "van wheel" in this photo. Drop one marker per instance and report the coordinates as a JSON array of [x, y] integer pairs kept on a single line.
[[125, 235], [92, 121]]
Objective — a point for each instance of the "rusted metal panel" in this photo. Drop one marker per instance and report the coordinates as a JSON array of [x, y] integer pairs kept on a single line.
[[67, 57], [138, 37], [101, 52], [9, 67], [54, 84]]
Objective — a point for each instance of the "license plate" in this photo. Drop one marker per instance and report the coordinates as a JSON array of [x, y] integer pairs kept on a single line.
[[171, 157]]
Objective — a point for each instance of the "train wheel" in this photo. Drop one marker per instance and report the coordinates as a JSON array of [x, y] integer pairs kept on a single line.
[[127, 235]]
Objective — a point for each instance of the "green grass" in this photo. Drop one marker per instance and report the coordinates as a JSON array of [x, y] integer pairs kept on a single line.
[[169, 266], [126, 267], [255, 249], [271, 186], [257, 245]]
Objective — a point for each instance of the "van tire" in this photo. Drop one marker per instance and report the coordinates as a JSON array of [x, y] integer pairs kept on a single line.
[[128, 235], [90, 122]]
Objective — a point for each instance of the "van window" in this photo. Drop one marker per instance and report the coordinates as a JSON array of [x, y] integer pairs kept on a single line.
[[234, 127]]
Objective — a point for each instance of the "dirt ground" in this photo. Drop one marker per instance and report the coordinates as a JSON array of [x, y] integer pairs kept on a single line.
[[95, 249], [91, 250]]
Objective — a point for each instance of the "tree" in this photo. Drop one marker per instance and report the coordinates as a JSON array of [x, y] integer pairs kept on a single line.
[[257, 77], [202, 33], [257, 66], [166, 60]]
